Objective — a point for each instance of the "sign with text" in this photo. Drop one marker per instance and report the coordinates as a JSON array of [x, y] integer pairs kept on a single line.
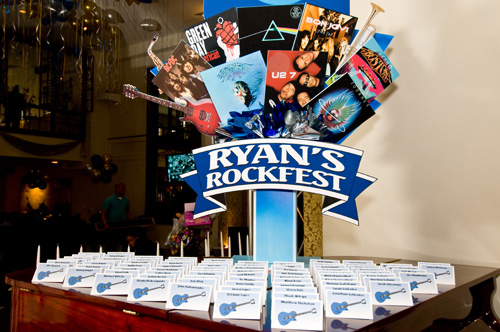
[[322, 168]]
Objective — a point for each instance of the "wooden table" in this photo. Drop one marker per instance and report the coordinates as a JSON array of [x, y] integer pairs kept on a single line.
[[49, 307]]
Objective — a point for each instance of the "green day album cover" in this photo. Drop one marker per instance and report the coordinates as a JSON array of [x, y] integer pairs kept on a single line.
[[326, 30], [180, 78], [237, 86], [285, 84], [370, 69], [267, 28], [216, 38], [341, 107]]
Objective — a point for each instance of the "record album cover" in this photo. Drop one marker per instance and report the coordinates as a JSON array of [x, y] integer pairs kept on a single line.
[[216, 38], [180, 76], [286, 84], [237, 86], [327, 30], [370, 69], [268, 27], [341, 107]]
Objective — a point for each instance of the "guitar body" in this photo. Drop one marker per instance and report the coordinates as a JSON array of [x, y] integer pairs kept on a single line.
[[74, 280], [413, 285], [204, 116], [337, 308], [382, 296], [139, 292], [177, 300], [102, 287], [225, 308], [285, 318], [43, 275]]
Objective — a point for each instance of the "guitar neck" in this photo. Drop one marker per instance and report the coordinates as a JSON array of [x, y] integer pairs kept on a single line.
[[164, 102], [303, 313]]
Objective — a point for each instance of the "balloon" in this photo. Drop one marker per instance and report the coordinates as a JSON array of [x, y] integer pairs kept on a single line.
[[113, 17], [96, 175], [96, 161], [68, 4], [114, 168], [106, 176], [87, 168], [89, 5], [107, 158], [63, 15]]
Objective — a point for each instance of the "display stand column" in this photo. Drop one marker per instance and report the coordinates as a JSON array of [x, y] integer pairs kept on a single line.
[[275, 226]]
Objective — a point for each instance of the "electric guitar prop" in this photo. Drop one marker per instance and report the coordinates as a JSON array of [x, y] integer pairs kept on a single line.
[[338, 308], [201, 113], [177, 300], [225, 308], [284, 318], [140, 292], [105, 286], [43, 275], [73, 280], [382, 296]]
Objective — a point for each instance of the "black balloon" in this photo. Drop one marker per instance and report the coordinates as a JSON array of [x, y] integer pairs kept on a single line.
[[105, 176], [114, 168], [96, 161]]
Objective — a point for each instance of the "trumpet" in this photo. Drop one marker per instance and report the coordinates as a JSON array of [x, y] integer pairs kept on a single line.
[[365, 33]]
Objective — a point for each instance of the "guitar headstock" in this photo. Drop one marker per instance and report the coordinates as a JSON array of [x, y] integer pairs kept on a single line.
[[130, 91]]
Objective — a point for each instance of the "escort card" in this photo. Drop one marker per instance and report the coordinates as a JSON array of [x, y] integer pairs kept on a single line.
[[420, 283], [348, 305], [169, 277], [111, 284], [237, 305], [148, 289], [201, 281], [95, 264], [189, 297], [296, 296], [391, 293], [46, 272], [80, 277], [134, 273], [444, 274], [70, 262], [297, 315], [260, 290], [367, 279]]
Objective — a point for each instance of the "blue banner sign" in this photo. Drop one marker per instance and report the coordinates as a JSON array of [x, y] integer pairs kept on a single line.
[[278, 164]]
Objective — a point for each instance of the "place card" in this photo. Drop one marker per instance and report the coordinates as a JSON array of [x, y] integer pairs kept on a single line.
[[296, 296], [148, 289], [134, 273], [111, 284], [348, 305], [80, 277], [46, 272], [169, 277], [214, 282], [420, 283], [237, 305], [391, 293], [297, 315], [189, 297], [444, 274], [260, 290]]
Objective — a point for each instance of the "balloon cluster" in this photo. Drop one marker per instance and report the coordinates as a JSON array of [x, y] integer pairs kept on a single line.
[[101, 168], [35, 178]]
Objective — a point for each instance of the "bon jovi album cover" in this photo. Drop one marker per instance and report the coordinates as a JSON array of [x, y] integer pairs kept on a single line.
[[325, 30]]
